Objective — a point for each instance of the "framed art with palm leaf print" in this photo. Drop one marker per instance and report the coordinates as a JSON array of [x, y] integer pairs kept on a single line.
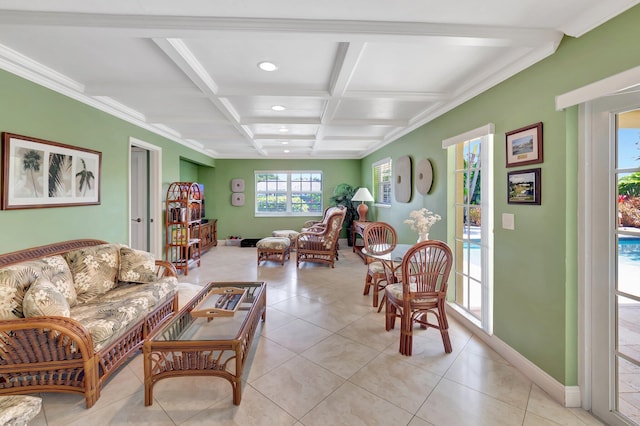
[[38, 173]]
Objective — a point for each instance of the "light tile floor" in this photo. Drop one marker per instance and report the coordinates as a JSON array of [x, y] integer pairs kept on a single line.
[[323, 358]]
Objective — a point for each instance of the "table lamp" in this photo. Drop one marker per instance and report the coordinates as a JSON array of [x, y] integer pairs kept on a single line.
[[362, 195]]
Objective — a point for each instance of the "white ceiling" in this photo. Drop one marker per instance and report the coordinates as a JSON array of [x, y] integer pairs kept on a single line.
[[354, 75]]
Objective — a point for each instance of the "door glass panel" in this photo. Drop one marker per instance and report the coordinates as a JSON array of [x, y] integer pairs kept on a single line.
[[468, 265], [627, 263]]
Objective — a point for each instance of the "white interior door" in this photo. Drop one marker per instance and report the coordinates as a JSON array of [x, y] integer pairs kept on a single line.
[[139, 199], [611, 253], [148, 194]]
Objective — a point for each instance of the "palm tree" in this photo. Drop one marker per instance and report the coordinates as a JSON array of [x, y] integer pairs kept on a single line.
[[85, 178], [31, 162], [58, 164]]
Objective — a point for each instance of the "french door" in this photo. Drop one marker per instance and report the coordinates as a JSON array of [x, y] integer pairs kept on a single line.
[[611, 255]]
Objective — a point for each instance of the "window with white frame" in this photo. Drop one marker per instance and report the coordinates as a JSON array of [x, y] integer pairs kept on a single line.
[[472, 211], [288, 193], [382, 181]]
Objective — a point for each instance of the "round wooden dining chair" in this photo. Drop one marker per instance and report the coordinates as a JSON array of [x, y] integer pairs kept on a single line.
[[379, 238], [421, 293]]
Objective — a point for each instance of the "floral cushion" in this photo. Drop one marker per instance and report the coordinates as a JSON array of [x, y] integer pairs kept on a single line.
[[396, 292], [111, 315], [154, 293], [136, 266], [94, 269], [19, 409], [106, 320], [16, 279], [274, 243], [44, 299]]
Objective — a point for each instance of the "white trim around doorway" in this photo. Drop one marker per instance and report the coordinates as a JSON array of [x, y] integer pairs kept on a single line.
[[155, 189]]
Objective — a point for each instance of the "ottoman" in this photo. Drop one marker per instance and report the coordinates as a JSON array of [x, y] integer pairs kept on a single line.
[[273, 248], [290, 234]]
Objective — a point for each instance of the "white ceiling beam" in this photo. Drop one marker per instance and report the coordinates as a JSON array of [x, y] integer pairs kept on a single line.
[[345, 65], [369, 122], [180, 54], [115, 89], [167, 26], [280, 120], [188, 119]]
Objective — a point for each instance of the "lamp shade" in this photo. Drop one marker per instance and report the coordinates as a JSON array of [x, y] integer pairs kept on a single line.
[[362, 194]]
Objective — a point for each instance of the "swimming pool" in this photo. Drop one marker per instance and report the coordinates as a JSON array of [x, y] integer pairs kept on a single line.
[[629, 249]]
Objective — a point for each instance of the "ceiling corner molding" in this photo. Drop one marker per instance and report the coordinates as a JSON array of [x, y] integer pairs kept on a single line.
[[43, 76], [606, 86], [494, 79], [596, 15]]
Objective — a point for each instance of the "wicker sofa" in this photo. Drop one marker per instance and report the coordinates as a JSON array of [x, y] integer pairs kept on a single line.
[[72, 312]]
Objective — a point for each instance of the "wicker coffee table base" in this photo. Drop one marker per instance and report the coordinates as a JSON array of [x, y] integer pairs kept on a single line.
[[218, 358]]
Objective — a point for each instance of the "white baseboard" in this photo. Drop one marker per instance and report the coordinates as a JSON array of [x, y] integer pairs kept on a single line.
[[568, 396]]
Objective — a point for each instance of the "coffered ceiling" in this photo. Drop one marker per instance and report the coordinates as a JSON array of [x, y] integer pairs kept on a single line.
[[352, 75]]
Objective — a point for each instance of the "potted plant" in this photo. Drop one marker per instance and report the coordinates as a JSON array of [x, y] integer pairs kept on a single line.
[[342, 195]]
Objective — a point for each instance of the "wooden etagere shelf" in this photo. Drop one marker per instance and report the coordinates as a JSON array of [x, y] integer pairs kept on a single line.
[[183, 221]]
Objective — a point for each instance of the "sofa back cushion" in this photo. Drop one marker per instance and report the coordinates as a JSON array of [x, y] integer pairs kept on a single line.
[[16, 279], [94, 269], [44, 299], [136, 266]]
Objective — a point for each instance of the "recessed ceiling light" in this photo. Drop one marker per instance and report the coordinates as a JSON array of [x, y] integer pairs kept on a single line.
[[284, 130], [286, 151], [284, 143], [267, 66], [278, 108]]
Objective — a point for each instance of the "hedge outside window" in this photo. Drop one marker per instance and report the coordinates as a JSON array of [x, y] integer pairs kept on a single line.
[[288, 193], [382, 181]]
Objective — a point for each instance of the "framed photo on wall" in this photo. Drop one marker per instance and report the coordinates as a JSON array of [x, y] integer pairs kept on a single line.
[[524, 145], [38, 173], [523, 187]]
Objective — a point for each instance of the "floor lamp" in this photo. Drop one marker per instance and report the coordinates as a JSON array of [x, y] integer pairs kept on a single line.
[[362, 195]]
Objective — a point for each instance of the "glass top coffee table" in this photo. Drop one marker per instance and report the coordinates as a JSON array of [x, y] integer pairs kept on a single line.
[[210, 336]]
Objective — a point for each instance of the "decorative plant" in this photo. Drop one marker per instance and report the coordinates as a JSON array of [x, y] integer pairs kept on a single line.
[[342, 195]]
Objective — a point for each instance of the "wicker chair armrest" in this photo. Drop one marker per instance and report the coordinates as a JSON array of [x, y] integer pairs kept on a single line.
[[310, 223], [311, 235], [165, 269], [43, 339]]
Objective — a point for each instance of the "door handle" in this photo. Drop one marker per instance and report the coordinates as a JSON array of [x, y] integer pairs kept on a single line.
[[136, 220]]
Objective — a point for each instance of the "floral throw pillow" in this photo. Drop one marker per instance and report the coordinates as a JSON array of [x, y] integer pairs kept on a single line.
[[44, 299], [94, 269], [16, 279], [136, 266]]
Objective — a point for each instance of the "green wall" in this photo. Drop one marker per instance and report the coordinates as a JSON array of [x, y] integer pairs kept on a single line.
[[31, 110], [535, 265], [241, 220]]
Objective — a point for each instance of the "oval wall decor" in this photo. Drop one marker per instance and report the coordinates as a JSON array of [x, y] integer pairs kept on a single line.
[[402, 179], [424, 176]]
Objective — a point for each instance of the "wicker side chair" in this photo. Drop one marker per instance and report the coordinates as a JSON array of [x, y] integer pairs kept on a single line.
[[379, 238], [321, 246], [422, 292]]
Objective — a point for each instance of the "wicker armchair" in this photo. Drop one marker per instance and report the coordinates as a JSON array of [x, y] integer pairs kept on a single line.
[[321, 245], [422, 292]]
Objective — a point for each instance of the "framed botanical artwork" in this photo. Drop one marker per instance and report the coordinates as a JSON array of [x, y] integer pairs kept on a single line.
[[523, 187], [524, 145], [38, 173]]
